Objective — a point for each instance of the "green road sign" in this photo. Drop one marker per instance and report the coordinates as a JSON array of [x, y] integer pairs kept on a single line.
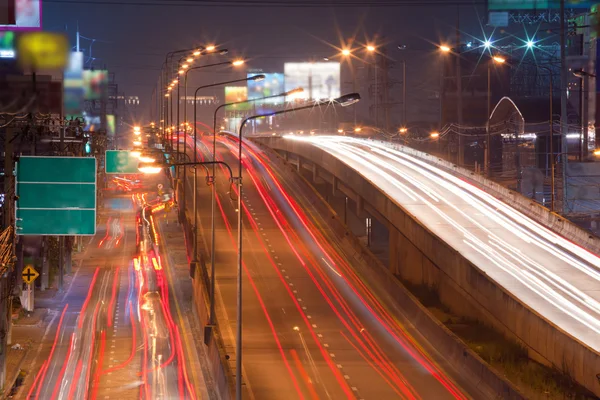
[[56, 196], [121, 162]]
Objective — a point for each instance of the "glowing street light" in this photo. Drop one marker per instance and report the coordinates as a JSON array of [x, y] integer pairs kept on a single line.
[[434, 135], [211, 48], [403, 130], [445, 49], [146, 159], [197, 53], [499, 60], [357, 129], [487, 44], [371, 48], [166, 94], [190, 60], [597, 152], [346, 52], [185, 66], [149, 168], [340, 131], [530, 44], [237, 63], [181, 72]]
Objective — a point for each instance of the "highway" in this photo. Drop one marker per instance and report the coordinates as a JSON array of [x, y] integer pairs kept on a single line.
[[312, 328], [117, 336], [550, 274]]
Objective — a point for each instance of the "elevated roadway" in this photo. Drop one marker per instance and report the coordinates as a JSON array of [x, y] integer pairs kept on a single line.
[[488, 260]]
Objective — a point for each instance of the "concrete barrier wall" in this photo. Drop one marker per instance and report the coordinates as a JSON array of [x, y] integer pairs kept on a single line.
[[375, 274], [462, 286], [220, 367]]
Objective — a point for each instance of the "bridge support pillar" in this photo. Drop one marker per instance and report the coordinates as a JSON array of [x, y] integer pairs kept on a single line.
[[360, 207]]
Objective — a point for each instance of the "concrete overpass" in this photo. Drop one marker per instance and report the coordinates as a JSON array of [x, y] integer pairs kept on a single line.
[[557, 323]]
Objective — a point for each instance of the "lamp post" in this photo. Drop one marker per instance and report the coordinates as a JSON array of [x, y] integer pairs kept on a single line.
[[185, 76], [166, 66], [347, 53], [194, 262], [552, 163], [488, 153], [185, 124], [211, 319], [344, 101]]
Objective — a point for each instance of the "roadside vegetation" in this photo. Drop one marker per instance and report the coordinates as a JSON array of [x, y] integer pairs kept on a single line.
[[508, 358]]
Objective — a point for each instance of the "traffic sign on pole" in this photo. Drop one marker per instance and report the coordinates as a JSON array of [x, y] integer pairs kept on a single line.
[[121, 162], [29, 274], [56, 196]]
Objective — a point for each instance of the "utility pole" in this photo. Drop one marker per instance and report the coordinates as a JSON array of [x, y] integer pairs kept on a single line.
[[459, 110], [563, 105], [6, 279]]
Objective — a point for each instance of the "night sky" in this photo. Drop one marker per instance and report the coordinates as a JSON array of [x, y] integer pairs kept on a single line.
[[132, 40]]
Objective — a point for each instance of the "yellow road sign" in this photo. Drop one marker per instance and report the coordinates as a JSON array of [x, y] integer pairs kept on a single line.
[[29, 274]]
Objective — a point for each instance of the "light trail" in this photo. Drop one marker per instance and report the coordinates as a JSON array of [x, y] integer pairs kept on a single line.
[[546, 271], [337, 301]]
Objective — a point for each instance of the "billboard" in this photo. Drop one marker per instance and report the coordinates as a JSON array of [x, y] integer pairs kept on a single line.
[[271, 85], [21, 15], [73, 85], [95, 83], [44, 50], [319, 80], [506, 5], [7, 45], [111, 126], [92, 122], [234, 94]]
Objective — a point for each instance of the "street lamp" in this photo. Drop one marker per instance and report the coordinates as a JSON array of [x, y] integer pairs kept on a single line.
[[445, 49], [186, 70], [211, 320], [251, 78], [167, 76], [488, 153], [344, 101], [347, 53]]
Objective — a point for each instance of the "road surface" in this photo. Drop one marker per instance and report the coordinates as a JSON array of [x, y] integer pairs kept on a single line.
[[312, 329], [117, 336]]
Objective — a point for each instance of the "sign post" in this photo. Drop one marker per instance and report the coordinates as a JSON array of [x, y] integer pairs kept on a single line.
[[29, 276]]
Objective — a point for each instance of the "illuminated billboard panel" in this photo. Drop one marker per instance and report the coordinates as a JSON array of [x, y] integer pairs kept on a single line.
[[7, 45], [73, 85], [234, 94], [95, 84], [20, 15], [111, 127], [270, 86], [319, 80], [506, 5]]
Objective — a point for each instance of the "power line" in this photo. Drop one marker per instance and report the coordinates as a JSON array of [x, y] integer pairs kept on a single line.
[[279, 3]]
